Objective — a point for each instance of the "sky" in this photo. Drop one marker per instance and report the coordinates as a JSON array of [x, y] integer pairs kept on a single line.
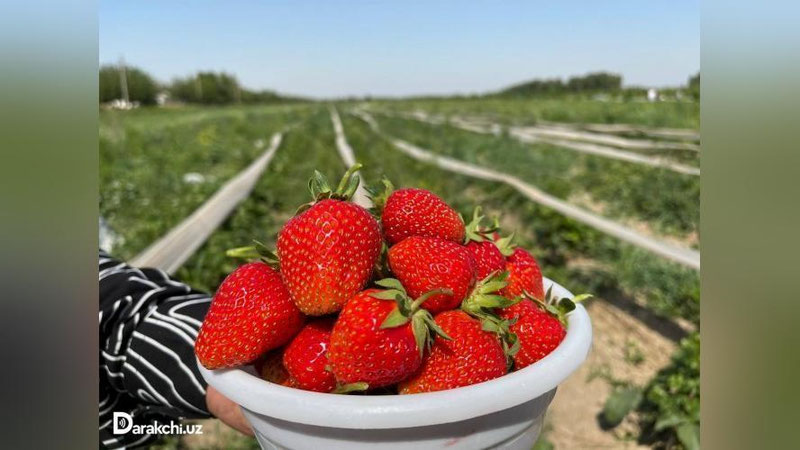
[[329, 49]]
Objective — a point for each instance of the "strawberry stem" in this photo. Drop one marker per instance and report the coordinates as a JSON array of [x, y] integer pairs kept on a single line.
[[348, 184], [421, 299]]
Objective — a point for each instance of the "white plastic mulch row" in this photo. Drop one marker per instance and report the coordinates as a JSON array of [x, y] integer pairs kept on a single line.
[[173, 249], [682, 255], [571, 140]]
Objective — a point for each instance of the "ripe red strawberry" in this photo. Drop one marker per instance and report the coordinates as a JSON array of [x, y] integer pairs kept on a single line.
[[488, 258], [423, 264], [327, 253], [377, 341], [306, 360], [271, 368], [471, 356], [486, 246], [250, 314], [524, 275], [538, 332], [417, 212]]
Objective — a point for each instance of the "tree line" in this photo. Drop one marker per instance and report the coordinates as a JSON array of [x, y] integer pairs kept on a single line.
[[222, 88], [592, 82], [597, 82], [203, 87]]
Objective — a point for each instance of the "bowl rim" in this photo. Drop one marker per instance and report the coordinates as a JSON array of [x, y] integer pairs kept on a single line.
[[401, 411]]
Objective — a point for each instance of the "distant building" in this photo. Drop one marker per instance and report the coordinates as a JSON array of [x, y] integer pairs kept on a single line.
[[652, 95], [162, 98]]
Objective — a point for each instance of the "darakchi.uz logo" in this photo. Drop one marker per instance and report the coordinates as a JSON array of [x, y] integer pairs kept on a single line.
[[123, 423]]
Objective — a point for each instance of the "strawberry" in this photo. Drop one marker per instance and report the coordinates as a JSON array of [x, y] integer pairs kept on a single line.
[[380, 342], [251, 314], [538, 332], [524, 275], [306, 360], [270, 368], [488, 258], [539, 325], [426, 263], [485, 245], [471, 356], [327, 252], [418, 212]]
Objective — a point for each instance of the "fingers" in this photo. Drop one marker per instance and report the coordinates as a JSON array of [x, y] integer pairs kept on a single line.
[[227, 411]]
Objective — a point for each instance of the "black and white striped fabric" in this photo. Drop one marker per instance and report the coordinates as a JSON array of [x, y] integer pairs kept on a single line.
[[148, 325]]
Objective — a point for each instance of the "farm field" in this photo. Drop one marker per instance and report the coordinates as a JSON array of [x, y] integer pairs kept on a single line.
[[655, 198], [157, 166], [645, 306], [572, 110]]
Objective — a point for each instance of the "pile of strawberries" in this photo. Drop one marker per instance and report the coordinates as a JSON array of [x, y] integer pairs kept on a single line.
[[402, 299]]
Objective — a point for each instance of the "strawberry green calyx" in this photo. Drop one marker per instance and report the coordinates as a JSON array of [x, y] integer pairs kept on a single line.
[[558, 307], [351, 387], [506, 245], [257, 252], [482, 304], [508, 339], [320, 188], [476, 231], [484, 297], [380, 196], [422, 324]]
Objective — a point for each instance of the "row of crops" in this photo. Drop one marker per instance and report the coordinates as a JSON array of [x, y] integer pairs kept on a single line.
[[146, 154], [157, 166], [575, 110]]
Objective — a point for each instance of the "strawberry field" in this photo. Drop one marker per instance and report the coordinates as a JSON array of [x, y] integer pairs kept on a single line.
[[157, 166]]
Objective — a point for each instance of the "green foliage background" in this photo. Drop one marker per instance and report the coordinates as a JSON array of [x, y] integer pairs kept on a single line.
[[141, 86]]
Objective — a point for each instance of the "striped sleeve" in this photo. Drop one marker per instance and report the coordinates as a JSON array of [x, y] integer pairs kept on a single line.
[[148, 324]]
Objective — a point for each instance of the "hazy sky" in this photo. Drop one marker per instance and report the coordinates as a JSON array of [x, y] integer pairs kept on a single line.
[[334, 48]]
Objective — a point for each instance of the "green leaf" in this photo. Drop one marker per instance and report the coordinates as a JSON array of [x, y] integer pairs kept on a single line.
[[394, 319], [492, 286], [379, 196], [548, 296], [689, 435], [621, 402], [491, 326], [552, 310], [434, 326], [581, 297], [249, 252], [505, 245], [670, 421], [391, 283], [352, 187], [318, 185], [543, 444], [566, 305], [514, 346], [421, 333], [494, 301], [390, 294]]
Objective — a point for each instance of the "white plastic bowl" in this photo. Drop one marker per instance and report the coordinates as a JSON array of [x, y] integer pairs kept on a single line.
[[504, 413]]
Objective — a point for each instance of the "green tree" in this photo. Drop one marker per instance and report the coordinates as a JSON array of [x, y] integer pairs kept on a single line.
[[141, 86], [208, 88], [694, 86]]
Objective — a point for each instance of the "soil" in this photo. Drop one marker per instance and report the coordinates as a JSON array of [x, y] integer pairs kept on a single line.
[[571, 421]]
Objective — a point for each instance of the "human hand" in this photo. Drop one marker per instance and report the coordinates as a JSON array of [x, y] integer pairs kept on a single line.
[[227, 411]]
